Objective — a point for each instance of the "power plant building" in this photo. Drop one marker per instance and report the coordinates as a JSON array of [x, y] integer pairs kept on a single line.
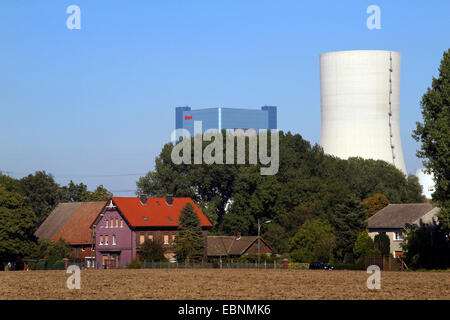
[[226, 118], [360, 105]]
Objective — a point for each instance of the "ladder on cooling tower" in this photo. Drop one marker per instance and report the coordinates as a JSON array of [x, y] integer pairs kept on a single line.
[[390, 109]]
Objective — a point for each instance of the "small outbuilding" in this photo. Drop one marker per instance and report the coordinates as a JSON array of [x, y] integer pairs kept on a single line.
[[236, 246]]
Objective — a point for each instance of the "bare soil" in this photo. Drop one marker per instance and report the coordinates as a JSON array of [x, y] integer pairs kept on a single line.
[[216, 284]]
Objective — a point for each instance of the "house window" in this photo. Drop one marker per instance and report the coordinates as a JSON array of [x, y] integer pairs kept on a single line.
[[141, 239], [117, 223], [106, 240], [114, 240], [173, 238], [101, 241], [398, 236], [150, 237], [106, 223], [121, 223], [166, 239]]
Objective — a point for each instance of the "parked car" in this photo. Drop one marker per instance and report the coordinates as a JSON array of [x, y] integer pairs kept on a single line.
[[320, 265]]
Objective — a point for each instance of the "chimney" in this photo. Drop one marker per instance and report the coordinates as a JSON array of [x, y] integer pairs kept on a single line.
[[169, 199], [143, 198], [238, 236]]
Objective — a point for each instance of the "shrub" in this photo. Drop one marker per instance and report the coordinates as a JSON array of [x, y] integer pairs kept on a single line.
[[40, 265], [152, 251], [383, 243], [298, 265], [348, 258], [135, 264], [252, 257], [345, 266], [59, 265]]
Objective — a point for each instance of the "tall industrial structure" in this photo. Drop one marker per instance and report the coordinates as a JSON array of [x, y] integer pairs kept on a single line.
[[226, 118], [360, 102]]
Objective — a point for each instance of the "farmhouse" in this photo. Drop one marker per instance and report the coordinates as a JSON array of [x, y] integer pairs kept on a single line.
[[71, 222], [122, 227], [235, 246], [393, 219]]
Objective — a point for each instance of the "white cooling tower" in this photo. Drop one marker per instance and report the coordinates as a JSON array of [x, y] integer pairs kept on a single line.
[[359, 96]]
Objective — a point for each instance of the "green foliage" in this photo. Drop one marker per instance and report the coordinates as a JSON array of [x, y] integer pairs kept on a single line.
[[383, 243], [42, 192], [308, 185], [59, 265], [134, 264], [254, 258], [426, 247], [350, 266], [349, 219], [189, 244], [17, 225], [375, 203], [434, 135], [53, 251], [348, 258], [41, 265], [314, 241], [298, 266], [152, 251], [364, 246], [79, 193]]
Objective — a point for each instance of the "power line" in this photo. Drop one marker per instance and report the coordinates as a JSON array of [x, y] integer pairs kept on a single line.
[[74, 176]]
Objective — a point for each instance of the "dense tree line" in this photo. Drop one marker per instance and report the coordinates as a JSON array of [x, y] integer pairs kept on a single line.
[[309, 185]]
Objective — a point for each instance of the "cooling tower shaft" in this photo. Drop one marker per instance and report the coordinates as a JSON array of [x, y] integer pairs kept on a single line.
[[360, 101]]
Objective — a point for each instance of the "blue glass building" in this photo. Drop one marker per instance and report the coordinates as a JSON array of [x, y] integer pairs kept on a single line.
[[226, 118]]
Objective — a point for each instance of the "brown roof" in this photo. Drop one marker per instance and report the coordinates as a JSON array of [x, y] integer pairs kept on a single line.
[[57, 218], [71, 221], [77, 229], [229, 245], [398, 215]]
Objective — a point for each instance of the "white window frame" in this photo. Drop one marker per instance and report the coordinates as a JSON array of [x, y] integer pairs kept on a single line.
[[114, 240], [398, 236]]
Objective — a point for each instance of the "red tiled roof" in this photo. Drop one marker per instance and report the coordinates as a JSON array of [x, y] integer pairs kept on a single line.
[[156, 212], [77, 228]]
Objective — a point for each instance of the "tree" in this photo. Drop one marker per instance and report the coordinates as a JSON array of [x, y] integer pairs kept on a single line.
[[152, 251], [426, 246], [309, 185], [75, 192], [189, 239], [313, 241], [53, 251], [79, 193], [42, 192], [383, 243], [364, 247], [17, 225], [348, 220], [434, 135], [375, 203], [99, 194]]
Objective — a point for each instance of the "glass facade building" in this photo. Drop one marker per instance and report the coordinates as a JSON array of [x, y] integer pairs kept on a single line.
[[226, 118]]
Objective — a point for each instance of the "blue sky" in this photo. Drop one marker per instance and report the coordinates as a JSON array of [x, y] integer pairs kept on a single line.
[[87, 104]]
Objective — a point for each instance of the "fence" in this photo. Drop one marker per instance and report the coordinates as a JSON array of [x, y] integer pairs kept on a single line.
[[206, 265], [386, 263]]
